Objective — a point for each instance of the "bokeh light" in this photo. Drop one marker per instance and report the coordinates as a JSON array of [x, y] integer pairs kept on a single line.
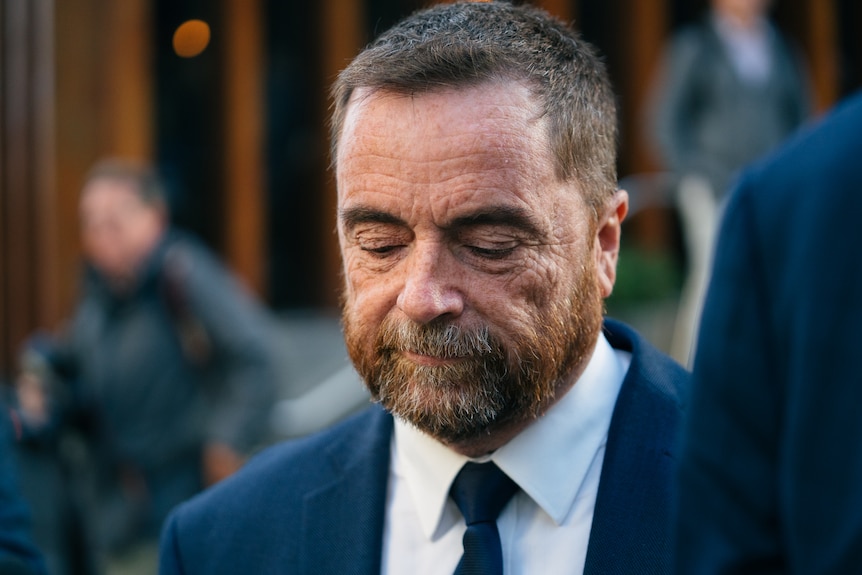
[[191, 38]]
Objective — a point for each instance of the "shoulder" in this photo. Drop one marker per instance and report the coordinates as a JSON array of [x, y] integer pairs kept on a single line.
[[693, 40], [809, 181], [828, 148], [304, 464], [654, 396], [198, 279], [187, 256], [651, 370], [267, 494], [693, 34], [784, 47], [631, 524]]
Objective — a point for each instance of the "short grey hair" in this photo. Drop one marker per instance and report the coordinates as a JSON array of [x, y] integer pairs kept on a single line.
[[468, 43]]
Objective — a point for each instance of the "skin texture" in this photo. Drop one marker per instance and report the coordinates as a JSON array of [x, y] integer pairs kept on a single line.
[[470, 268]]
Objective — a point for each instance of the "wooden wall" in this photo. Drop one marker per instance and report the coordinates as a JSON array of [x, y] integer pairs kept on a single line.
[[77, 83]]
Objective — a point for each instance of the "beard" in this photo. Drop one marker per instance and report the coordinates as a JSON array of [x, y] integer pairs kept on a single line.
[[487, 384]]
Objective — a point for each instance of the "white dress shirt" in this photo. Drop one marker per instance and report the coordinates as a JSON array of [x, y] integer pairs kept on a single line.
[[556, 461]]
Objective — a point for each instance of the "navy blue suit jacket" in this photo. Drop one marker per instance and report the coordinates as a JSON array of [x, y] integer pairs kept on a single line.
[[317, 505], [771, 475]]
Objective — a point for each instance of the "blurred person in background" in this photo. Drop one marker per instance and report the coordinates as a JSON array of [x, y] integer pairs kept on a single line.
[[731, 89], [18, 553], [165, 364]]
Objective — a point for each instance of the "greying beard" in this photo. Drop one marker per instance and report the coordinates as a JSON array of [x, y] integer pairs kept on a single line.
[[491, 385], [452, 402]]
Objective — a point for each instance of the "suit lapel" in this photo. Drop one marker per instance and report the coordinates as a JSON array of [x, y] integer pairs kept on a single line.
[[631, 523], [343, 520]]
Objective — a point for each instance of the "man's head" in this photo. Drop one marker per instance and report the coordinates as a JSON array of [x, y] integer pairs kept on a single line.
[[472, 43], [474, 148], [742, 12], [123, 216]]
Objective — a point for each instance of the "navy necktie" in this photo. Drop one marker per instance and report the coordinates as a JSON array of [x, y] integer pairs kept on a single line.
[[481, 491]]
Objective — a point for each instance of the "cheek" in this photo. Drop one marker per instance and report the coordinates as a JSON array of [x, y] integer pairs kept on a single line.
[[368, 296], [512, 304], [542, 280]]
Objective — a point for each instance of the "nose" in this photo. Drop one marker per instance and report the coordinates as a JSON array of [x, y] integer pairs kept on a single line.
[[431, 288]]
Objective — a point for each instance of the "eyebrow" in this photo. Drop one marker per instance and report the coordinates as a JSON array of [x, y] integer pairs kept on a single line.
[[352, 217], [509, 216]]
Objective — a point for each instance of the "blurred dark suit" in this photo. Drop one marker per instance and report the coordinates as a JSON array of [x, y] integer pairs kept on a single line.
[[771, 473], [18, 555]]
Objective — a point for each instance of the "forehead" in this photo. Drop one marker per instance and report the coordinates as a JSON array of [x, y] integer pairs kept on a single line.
[[104, 194], [449, 145]]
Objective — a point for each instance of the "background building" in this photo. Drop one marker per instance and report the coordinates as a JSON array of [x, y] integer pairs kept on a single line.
[[239, 130]]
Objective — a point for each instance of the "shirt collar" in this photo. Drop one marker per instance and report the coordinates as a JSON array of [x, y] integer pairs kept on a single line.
[[560, 444]]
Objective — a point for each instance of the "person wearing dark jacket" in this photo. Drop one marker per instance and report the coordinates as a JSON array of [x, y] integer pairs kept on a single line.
[[165, 360], [731, 89], [770, 469]]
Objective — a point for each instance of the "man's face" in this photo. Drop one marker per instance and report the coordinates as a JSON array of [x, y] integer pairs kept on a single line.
[[118, 229], [745, 11], [473, 277]]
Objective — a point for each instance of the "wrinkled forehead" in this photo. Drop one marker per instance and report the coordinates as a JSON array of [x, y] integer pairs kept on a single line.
[[481, 110], [447, 155]]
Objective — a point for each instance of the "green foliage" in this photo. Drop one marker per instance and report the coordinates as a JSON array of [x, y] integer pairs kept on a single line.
[[644, 277]]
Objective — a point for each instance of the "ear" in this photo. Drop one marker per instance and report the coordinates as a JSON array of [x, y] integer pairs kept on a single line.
[[607, 246]]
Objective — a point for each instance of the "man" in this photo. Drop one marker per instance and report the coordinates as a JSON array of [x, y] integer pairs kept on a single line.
[[731, 90], [165, 363], [479, 223], [18, 554], [770, 472]]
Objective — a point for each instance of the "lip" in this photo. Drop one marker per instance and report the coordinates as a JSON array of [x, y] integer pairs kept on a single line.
[[430, 360]]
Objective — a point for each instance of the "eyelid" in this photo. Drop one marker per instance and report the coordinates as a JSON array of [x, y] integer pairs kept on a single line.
[[380, 250], [493, 253], [379, 239]]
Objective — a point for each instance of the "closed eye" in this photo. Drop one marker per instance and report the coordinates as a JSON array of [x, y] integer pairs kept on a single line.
[[492, 253], [381, 250]]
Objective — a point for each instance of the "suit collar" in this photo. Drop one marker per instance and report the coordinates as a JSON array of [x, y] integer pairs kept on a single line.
[[630, 528], [631, 522], [343, 520]]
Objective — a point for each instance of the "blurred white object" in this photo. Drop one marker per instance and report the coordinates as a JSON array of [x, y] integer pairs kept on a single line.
[[322, 405], [699, 213]]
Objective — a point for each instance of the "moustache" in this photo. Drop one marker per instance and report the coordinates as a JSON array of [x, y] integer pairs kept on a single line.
[[438, 339]]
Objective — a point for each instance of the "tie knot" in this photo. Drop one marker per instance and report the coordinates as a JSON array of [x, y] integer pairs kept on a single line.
[[481, 491]]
